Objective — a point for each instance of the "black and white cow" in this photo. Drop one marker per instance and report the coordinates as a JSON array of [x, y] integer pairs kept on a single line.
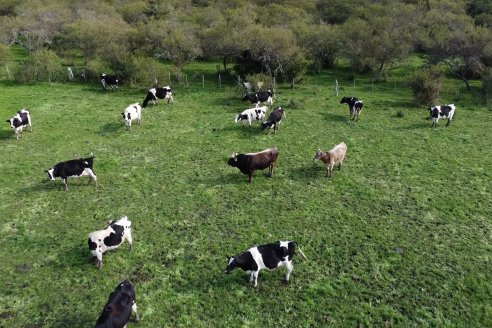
[[132, 113], [158, 93], [259, 97], [269, 256], [20, 121], [274, 120], [355, 106], [119, 307], [110, 238], [437, 112], [73, 168], [252, 114], [109, 81], [248, 163]]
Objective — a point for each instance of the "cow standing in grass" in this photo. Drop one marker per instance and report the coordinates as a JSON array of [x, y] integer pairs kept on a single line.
[[333, 157], [248, 163], [355, 106], [110, 238], [21, 120], [109, 81], [252, 114], [158, 93], [119, 307], [73, 168], [437, 112], [259, 97], [274, 120], [132, 113], [269, 256]]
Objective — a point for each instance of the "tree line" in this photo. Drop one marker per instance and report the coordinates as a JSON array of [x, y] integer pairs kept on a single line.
[[281, 38]]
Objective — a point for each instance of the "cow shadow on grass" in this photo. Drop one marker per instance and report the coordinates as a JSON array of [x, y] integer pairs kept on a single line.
[[7, 134], [111, 127], [335, 117], [245, 130], [57, 185], [309, 171]]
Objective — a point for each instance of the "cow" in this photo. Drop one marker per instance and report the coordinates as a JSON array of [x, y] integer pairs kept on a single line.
[[158, 93], [269, 256], [251, 114], [110, 238], [119, 307], [132, 113], [248, 163], [109, 81], [332, 157], [259, 97], [437, 112], [274, 120], [73, 168], [355, 106], [21, 120]]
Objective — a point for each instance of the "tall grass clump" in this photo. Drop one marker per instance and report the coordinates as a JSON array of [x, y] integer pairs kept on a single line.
[[426, 85], [42, 65]]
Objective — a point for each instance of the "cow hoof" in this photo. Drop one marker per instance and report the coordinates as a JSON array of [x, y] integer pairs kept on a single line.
[[286, 282]]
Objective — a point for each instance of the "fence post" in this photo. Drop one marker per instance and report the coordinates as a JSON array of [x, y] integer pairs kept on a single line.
[[186, 79], [292, 83], [220, 83], [203, 81], [169, 75], [336, 87]]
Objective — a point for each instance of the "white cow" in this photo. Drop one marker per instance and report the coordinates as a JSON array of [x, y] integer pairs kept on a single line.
[[110, 238], [132, 113], [252, 114]]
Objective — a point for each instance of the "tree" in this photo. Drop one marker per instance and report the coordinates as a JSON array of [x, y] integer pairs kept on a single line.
[[379, 37], [453, 39]]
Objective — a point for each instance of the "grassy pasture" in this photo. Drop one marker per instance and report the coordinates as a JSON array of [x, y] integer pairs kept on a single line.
[[402, 236]]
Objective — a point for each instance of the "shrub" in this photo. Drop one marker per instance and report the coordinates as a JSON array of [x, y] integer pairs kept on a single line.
[[426, 85], [42, 65], [487, 84], [147, 72], [264, 80]]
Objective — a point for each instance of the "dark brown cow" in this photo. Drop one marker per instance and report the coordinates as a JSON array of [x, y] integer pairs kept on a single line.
[[248, 163]]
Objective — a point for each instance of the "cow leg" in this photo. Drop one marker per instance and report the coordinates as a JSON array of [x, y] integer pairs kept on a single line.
[[330, 169], [99, 260], [250, 176], [290, 267], [449, 121], [255, 275], [92, 176], [134, 310], [340, 166], [130, 240], [65, 185], [251, 277]]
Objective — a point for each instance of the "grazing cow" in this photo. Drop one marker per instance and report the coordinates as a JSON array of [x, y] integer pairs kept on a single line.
[[274, 120], [109, 81], [248, 163], [269, 256], [355, 106], [158, 93], [259, 97], [73, 168], [437, 112], [117, 311], [110, 238], [332, 157], [132, 113], [20, 121], [252, 114]]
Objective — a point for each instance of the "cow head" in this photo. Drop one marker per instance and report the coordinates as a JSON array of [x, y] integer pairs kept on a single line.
[[264, 125], [233, 160], [126, 288], [318, 154], [345, 100], [10, 121], [50, 174], [231, 264], [246, 98]]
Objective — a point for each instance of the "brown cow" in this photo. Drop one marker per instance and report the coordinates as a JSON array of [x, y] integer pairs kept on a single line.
[[332, 157], [248, 163]]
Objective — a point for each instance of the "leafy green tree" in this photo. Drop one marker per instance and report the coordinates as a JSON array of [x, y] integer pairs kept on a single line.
[[42, 65], [379, 38]]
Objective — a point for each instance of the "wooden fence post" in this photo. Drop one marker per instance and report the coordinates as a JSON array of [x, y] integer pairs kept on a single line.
[[336, 87], [203, 81], [220, 83]]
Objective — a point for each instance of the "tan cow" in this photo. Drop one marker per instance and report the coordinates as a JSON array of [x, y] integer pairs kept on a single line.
[[332, 157]]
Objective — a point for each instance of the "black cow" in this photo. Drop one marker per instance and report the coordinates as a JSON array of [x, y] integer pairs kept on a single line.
[[118, 309], [248, 163], [20, 121], [274, 120], [109, 81], [437, 112], [355, 106], [73, 168], [159, 93], [269, 256], [259, 97]]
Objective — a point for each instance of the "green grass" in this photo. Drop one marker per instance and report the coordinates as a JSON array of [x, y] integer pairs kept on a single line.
[[400, 237]]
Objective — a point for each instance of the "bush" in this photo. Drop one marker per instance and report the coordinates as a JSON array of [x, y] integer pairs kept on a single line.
[[487, 84], [426, 85], [264, 80], [42, 65], [148, 72]]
